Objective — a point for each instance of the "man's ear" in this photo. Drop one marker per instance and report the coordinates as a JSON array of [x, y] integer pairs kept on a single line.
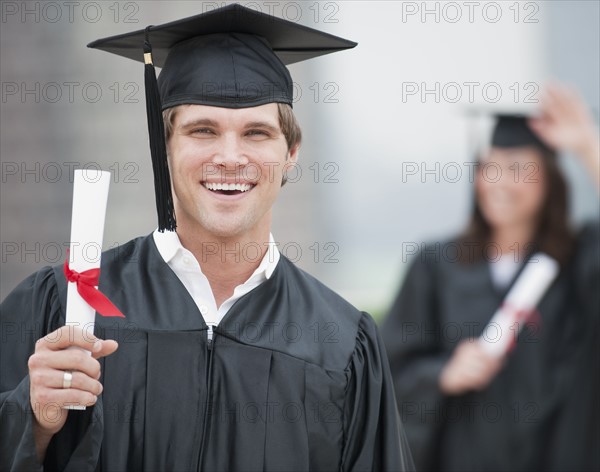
[[291, 160], [293, 154]]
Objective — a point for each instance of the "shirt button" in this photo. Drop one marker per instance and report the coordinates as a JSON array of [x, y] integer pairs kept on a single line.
[[203, 309], [187, 260]]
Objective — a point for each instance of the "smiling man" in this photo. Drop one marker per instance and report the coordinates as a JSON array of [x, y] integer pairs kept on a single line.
[[228, 166], [224, 361]]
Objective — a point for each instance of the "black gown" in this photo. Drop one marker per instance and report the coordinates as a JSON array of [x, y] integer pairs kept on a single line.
[[295, 378], [541, 411]]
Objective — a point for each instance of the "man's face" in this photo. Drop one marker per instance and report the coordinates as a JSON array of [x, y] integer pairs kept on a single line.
[[227, 167]]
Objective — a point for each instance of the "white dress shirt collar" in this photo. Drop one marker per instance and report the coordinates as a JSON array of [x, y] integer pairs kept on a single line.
[[188, 270], [169, 246]]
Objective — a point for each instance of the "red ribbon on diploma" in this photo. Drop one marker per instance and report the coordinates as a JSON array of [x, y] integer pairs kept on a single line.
[[531, 316], [87, 281]]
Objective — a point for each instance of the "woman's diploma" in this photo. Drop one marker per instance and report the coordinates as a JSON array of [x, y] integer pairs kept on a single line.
[[501, 332], [82, 267]]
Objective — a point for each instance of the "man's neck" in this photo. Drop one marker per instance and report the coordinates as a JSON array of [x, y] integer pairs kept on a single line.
[[226, 261]]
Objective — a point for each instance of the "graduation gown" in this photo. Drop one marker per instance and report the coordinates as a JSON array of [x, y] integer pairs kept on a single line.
[[294, 378], [541, 411]]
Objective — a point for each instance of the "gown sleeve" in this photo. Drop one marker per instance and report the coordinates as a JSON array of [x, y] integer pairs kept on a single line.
[[416, 359], [588, 270], [374, 435], [28, 313], [24, 316], [577, 431]]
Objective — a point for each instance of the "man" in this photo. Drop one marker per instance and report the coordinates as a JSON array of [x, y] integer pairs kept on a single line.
[[224, 361]]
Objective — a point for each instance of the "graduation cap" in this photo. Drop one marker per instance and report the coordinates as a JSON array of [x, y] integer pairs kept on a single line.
[[232, 57], [514, 131], [504, 127]]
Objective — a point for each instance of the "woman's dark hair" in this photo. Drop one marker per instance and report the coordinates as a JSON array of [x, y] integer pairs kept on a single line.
[[553, 235]]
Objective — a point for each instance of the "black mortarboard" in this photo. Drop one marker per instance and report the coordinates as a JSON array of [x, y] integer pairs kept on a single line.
[[514, 131], [232, 57]]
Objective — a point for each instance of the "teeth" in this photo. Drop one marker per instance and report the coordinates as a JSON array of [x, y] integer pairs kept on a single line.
[[243, 187], [228, 187]]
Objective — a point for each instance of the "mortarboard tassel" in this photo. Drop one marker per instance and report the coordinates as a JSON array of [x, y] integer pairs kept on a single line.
[[158, 148]]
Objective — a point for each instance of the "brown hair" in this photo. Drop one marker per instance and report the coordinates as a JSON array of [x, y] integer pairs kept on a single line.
[[553, 234], [287, 122]]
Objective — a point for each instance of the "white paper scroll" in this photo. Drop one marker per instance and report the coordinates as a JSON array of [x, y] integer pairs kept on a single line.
[[523, 297], [90, 195]]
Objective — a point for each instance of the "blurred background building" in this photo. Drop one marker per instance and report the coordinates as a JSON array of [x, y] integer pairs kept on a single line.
[[386, 158]]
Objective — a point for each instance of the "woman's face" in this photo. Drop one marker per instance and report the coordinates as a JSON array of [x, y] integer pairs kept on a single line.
[[510, 186]]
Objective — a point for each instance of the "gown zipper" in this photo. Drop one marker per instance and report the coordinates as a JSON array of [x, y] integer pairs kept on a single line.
[[209, 353], [209, 336]]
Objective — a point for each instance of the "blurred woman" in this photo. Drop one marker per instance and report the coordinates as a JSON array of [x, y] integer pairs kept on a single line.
[[535, 408]]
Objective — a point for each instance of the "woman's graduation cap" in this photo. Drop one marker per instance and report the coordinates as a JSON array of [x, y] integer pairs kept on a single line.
[[232, 57], [504, 128], [514, 131]]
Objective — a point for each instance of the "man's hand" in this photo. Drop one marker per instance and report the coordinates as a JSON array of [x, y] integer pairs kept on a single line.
[[46, 372], [469, 368]]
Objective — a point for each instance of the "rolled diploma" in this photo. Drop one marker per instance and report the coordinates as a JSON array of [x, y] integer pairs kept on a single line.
[[525, 294], [90, 195]]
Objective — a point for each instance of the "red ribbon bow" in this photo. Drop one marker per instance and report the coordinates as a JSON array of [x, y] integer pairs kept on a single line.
[[87, 281]]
